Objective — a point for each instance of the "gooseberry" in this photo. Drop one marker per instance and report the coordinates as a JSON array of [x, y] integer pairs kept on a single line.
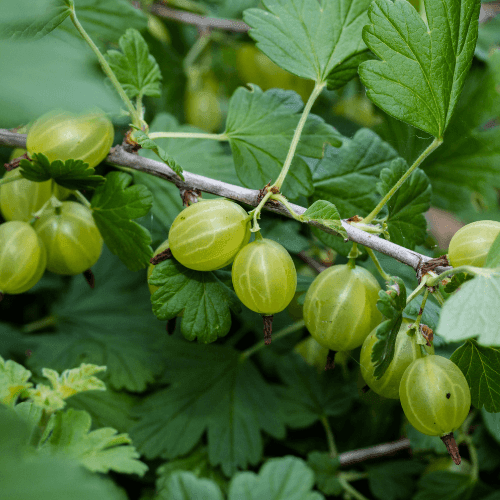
[[406, 350], [61, 135], [470, 244], [71, 237], [340, 307], [264, 278], [208, 234], [22, 257]]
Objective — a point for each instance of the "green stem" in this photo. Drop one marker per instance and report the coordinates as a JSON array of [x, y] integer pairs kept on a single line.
[[350, 489], [195, 50], [353, 475], [298, 132], [416, 292], [82, 198], [188, 135], [372, 255], [40, 324], [439, 297], [476, 271], [329, 437], [256, 212], [136, 120], [287, 204], [422, 307], [6, 180], [434, 145], [276, 336]]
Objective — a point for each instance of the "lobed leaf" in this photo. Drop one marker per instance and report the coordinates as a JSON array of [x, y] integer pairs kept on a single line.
[[308, 396], [13, 381], [325, 468], [423, 66], [71, 174], [183, 485], [473, 311], [202, 297], [100, 450], [113, 206], [286, 478], [113, 325], [481, 367], [309, 38], [406, 223], [325, 213], [215, 391], [260, 126], [135, 68]]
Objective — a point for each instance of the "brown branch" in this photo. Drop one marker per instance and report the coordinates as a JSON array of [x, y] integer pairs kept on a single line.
[[118, 156], [380, 450], [202, 22]]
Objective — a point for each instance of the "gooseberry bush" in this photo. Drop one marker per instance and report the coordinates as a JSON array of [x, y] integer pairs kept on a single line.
[[207, 164]]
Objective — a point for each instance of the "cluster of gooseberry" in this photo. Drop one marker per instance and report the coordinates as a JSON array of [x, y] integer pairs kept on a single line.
[[42, 231], [212, 234], [340, 313]]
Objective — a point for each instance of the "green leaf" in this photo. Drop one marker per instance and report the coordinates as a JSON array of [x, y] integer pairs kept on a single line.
[[423, 66], [113, 206], [347, 176], [13, 381], [492, 422], [346, 71], [325, 213], [196, 463], [28, 19], [148, 143], [309, 38], [493, 257], [308, 396], [100, 450], [202, 297], [136, 69], [473, 311], [111, 325], [50, 478], [422, 443], [481, 367], [406, 222], [105, 21], [286, 232], [467, 164], [443, 485], [214, 391], [391, 304], [393, 480], [325, 468], [286, 478], [488, 37], [260, 126], [186, 486], [457, 280], [71, 174]]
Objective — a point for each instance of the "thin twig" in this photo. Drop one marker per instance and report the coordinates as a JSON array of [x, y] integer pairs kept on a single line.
[[118, 156], [202, 22], [380, 450], [312, 263]]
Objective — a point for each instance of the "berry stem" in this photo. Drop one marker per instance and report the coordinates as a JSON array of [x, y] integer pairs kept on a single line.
[[318, 88], [277, 336], [380, 270], [434, 145], [82, 199], [451, 446], [268, 328], [330, 360]]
